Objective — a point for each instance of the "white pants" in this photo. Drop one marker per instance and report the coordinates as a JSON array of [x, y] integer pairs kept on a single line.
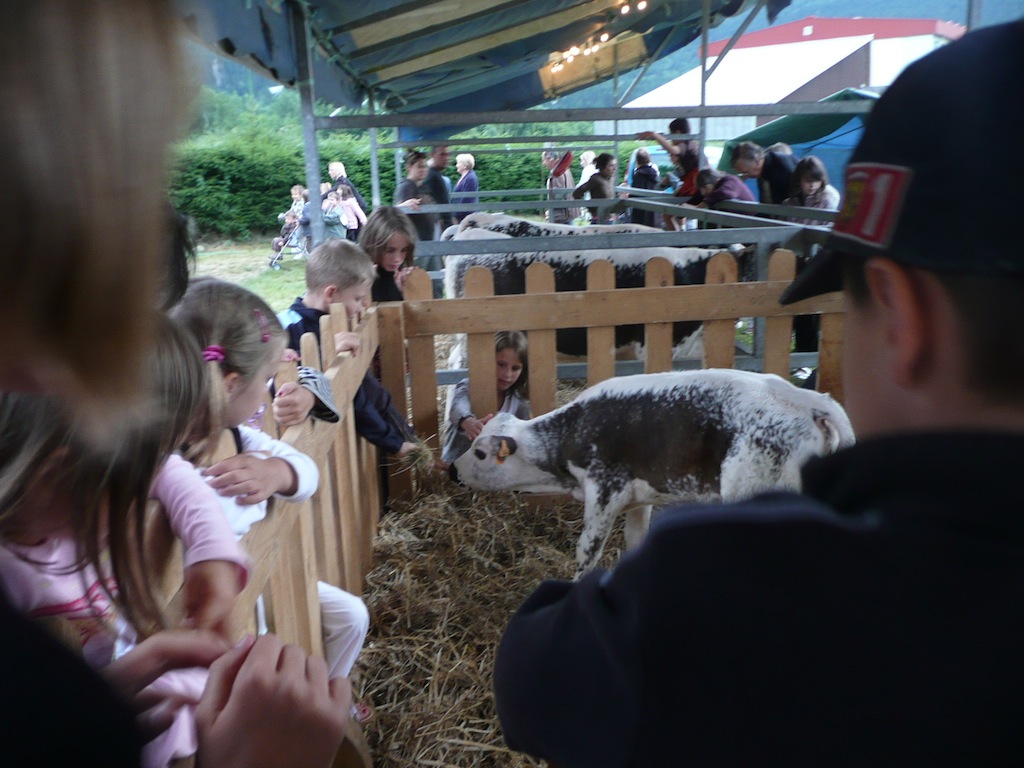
[[344, 620], [345, 623]]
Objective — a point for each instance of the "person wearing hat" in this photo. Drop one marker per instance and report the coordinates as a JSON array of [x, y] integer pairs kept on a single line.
[[873, 619]]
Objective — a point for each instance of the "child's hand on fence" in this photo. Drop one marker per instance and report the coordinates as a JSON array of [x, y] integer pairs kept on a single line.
[[292, 404], [400, 275], [251, 478], [270, 704], [346, 341], [211, 587]]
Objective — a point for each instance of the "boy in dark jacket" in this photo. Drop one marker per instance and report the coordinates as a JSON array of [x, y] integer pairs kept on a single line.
[[338, 271]]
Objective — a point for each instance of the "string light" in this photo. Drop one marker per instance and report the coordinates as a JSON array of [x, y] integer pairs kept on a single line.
[[568, 56]]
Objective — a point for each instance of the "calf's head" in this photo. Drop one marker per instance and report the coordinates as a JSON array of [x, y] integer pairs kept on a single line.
[[505, 457]]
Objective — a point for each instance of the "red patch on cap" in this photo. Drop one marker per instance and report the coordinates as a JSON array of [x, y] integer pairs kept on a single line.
[[872, 202]]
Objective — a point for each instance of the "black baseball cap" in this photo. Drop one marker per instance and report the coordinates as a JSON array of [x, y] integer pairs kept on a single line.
[[937, 180]]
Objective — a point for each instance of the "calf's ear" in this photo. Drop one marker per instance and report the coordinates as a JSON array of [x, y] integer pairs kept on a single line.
[[503, 447]]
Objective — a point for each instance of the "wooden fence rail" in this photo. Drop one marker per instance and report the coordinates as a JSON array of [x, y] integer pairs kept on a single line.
[[412, 326], [330, 536]]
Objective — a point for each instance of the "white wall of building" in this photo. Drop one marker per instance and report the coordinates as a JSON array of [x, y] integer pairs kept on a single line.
[[890, 56]]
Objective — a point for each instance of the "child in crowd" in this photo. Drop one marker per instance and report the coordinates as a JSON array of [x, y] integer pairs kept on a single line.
[[335, 217], [810, 188], [600, 185], [291, 223], [242, 343], [645, 176], [354, 214], [297, 202], [340, 272], [42, 568], [389, 239], [463, 427]]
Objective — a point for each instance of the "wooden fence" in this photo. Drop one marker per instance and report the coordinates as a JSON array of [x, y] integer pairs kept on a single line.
[[409, 328], [330, 537]]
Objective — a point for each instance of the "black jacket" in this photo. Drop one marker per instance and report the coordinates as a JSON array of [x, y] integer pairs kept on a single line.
[[376, 416], [873, 621], [58, 711]]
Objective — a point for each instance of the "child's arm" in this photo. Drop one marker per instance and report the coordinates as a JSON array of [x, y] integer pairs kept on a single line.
[[311, 396], [216, 567], [268, 468], [374, 426], [461, 417]]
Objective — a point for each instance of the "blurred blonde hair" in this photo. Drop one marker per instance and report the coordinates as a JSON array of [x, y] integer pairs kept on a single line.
[[107, 486], [339, 263], [96, 91]]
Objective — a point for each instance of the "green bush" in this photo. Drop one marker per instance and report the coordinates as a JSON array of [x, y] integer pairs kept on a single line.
[[234, 173]]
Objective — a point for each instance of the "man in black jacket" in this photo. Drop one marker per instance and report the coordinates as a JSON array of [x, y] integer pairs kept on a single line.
[[874, 619], [773, 170], [436, 179]]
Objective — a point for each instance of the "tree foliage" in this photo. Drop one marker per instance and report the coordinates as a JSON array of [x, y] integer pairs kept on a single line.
[[234, 172]]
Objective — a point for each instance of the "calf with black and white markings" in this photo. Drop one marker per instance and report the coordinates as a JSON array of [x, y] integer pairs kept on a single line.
[[635, 441]]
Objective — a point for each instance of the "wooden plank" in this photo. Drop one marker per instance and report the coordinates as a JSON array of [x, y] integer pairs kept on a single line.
[[392, 359], [338, 322], [326, 529], [421, 365], [543, 358], [350, 519], [658, 336], [621, 306], [418, 286], [778, 331], [720, 335], [370, 499], [600, 339], [295, 612], [483, 390], [449, 53], [830, 356]]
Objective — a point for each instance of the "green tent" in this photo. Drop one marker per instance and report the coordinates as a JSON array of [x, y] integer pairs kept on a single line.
[[829, 137]]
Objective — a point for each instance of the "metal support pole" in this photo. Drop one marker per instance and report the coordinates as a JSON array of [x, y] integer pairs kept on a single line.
[[705, 22], [615, 99], [304, 67], [974, 14], [374, 163]]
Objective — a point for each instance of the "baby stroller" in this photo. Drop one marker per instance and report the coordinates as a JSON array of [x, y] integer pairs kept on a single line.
[[292, 239]]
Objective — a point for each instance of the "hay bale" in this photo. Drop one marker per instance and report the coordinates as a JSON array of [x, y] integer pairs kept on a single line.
[[450, 570]]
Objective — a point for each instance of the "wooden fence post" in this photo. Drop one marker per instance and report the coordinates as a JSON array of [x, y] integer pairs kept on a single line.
[[483, 395], [658, 336], [543, 357], [600, 339], [422, 366], [392, 373], [778, 331], [720, 335], [830, 358]]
